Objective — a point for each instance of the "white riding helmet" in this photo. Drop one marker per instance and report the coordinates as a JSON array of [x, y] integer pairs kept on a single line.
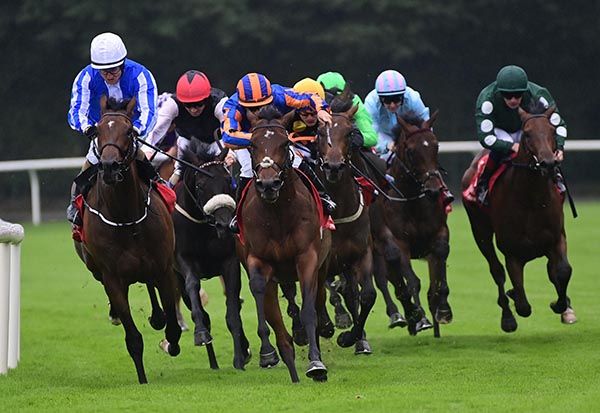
[[107, 51]]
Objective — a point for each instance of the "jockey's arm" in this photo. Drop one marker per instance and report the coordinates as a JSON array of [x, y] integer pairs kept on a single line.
[[146, 103], [80, 103], [231, 128], [166, 114]]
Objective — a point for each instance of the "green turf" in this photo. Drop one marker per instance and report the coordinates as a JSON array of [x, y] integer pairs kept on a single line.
[[73, 358]]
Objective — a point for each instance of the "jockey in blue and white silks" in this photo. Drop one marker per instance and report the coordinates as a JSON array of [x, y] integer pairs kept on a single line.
[[115, 76], [392, 97]]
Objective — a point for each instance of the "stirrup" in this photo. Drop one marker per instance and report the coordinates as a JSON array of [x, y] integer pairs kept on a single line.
[[73, 215], [482, 195], [233, 225], [328, 205]]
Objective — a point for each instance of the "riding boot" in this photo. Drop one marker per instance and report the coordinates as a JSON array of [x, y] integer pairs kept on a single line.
[[482, 188], [328, 204], [242, 182], [73, 215], [145, 168], [560, 182], [447, 197]]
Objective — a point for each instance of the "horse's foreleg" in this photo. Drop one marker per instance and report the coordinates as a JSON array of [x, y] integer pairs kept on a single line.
[[259, 272], [381, 280], [517, 293], [437, 295], [306, 268], [483, 234], [232, 282], [166, 284], [157, 318], [284, 340], [559, 272], [202, 335], [117, 294]]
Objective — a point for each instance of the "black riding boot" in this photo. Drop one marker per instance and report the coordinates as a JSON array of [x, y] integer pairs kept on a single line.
[[482, 188], [328, 204], [73, 215], [242, 182]]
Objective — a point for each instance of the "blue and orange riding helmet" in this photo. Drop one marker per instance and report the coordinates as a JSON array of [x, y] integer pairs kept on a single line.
[[253, 90]]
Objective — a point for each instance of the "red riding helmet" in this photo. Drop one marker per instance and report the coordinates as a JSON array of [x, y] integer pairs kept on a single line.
[[192, 86]]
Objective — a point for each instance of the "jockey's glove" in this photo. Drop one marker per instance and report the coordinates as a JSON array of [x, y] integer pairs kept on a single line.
[[91, 132]]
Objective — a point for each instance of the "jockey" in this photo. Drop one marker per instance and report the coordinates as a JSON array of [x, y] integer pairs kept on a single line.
[[110, 73], [304, 132], [499, 124], [196, 110], [334, 83], [392, 97], [254, 91]]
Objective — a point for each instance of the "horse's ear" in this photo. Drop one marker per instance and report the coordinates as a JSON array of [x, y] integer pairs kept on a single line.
[[352, 111], [550, 111], [431, 120], [523, 114], [402, 122], [103, 104], [287, 119], [345, 95], [130, 107]]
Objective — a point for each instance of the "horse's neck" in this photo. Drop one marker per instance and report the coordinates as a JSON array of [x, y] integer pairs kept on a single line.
[[344, 194], [529, 186], [405, 182], [188, 201]]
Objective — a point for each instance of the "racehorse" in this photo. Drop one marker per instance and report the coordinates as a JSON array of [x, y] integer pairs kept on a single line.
[[129, 231], [282, 241], [416, 223], [204, 247], [526, 218], [351, 248]]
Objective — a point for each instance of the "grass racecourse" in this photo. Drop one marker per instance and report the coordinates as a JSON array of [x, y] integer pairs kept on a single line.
[[73, 359]]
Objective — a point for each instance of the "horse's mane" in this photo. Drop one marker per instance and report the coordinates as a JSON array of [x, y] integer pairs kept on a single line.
[[198, 152], [117, 105], [412, 119], [341, 103], [536, 107], [269, 112]]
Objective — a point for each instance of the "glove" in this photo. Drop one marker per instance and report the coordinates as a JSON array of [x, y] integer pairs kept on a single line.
[[356, 138], [91, 132]]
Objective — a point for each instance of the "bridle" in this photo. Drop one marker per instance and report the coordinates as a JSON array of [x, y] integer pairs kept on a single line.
[[267, 162], [533, 163], [127, 155]]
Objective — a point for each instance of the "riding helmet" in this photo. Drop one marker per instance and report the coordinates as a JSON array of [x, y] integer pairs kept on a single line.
[[192, 86], [512, 79], [389, 83], [253, 90], [107, 51]]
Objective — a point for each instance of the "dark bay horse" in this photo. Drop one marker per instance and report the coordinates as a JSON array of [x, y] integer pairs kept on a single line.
[[525, 217], [351, 248], [283, 242], [416, 223], [129, 232], [204, 247]]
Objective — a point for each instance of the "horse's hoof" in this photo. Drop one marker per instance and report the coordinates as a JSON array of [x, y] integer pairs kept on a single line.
[[300, 337], [158, 322], [115, 321], [397, 320], [248, 357], [269, 360], [423, 324], [568, 316], [508, 325], [443, 316], [327, 330], [343, 321], [362, 347], [346, 339], [202, 338], [317, 371], [524, 310], [171, 349], [558, 309]]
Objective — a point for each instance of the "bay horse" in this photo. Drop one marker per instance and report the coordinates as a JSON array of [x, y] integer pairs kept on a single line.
[[351, 247], [415, 224], [204, 246], [525, 217], [283, 242], [129, 231]]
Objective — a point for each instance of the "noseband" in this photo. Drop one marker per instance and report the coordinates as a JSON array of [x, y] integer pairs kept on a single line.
[[267, 162], [435, 173], [193, 193], [533, 163]]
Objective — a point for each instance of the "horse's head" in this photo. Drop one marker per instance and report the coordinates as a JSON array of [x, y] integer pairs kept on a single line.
[[115, 147], [416, 150], [270, 150], [211, 192], [334, 142], [537, 142]]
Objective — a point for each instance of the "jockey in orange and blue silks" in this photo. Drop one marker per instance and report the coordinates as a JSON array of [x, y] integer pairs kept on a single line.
[[254, 91]]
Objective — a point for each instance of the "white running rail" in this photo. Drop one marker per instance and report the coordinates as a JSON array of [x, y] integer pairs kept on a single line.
[[11, 236]]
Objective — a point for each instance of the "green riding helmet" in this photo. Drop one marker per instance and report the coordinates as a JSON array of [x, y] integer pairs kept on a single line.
[[332, 82], [512, 79]]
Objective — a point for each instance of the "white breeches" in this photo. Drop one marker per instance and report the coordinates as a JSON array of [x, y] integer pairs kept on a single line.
[[503, 135]]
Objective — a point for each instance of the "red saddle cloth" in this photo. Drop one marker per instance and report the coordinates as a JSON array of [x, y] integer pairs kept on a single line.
[[166, 194], [325, 220], [367, 189], [469, 194]]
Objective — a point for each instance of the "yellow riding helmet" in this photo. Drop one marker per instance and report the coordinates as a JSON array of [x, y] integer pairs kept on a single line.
[[308, 85]]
